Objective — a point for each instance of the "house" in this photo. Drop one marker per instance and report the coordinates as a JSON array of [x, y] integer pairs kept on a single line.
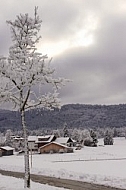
[[7, 150], [43, 140], [65, 141], [17, 142], [31, 142], [54, 147], [34, 142], [17, 139]]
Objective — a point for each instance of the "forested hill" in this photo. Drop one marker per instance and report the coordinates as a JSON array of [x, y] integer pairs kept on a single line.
[[75, 115]]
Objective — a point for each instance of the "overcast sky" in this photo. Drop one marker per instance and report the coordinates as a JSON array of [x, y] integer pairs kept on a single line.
[[87, 40]]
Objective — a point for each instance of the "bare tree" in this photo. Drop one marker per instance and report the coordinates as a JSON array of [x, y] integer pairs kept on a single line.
[[25, 70]]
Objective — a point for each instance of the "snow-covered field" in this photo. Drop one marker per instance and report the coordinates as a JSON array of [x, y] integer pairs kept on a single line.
[[102, 165], [11, 183]]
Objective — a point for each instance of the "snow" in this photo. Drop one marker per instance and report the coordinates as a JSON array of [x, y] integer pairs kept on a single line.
[[101, 165], [62, 140], [32, 138], [7, 148], [17, 184]]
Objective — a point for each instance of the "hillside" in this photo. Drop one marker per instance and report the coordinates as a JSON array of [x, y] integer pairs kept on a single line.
[[75, 115]]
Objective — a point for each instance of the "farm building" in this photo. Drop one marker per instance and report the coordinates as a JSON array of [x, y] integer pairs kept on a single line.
[[31, 142], [43, 140], [34, 142], [7, 150], [17, 139], [54, 147], [65, 141]]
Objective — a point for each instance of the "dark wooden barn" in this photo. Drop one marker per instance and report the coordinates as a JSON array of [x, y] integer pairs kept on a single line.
[[7, 150]]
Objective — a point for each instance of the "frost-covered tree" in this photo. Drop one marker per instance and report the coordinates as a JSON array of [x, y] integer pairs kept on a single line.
[[8, 135], [75, 134], [24, 72], [2, 139], [84, 135], [56, 132], [90, 138]]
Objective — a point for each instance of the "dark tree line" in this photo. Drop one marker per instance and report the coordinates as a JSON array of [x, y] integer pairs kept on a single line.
[[75, 115]]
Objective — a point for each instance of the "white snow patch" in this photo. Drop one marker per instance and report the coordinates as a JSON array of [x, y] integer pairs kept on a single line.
[[101, 165]]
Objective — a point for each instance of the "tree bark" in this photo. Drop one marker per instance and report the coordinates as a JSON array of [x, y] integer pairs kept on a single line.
[[26, 150]]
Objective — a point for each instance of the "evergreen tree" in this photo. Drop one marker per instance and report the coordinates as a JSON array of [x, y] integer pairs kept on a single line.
[[65, 130], [115, 133], [108, 138], [94, 138]]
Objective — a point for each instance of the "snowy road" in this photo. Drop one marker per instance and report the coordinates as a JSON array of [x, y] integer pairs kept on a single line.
[[57, 182]]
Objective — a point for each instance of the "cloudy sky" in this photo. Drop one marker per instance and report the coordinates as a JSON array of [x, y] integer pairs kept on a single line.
[[87, 40]]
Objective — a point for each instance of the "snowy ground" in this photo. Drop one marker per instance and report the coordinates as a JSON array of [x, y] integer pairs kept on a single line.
[[11, 183], [102, 165]]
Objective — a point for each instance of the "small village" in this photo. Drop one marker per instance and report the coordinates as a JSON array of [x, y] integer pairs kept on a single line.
[[38, 144], [49, 144], [41, 144]]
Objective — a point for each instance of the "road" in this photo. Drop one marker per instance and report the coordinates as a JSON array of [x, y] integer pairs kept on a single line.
[[57, 182]]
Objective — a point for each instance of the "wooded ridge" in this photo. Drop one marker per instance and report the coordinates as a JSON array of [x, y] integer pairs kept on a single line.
[[74, 115]]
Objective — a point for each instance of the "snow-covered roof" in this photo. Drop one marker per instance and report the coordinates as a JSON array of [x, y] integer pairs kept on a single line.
[[51, 137], [17, 138], [32, 138], [62, 140], [46, 138], [7, 148], [54, 143]]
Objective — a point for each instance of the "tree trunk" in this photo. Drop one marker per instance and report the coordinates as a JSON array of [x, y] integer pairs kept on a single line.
[[26, 155]]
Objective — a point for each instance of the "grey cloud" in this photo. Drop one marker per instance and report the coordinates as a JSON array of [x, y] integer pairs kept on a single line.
[[97, 71], [107, 61]]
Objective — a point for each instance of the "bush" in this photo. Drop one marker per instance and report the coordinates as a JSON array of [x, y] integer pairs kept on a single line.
[[88, 142]]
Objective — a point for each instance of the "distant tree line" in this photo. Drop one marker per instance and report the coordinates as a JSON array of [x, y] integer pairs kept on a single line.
[[84, 137], [78, 116]]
